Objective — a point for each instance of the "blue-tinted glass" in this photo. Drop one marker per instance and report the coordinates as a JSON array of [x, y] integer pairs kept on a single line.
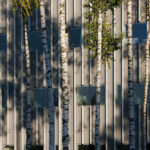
[[86, 95], [75, 37], [139, 32], [35, 40], [41, 97]]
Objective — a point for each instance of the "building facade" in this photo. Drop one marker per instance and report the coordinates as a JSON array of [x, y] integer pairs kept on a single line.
[[114, 123]]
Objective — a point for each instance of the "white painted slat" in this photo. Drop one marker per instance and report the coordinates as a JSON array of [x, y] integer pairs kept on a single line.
[[139, 78], [106, 104], [15, 104], [23, 134], [44, 110], [122, 73], [1, 142], [59, 87], [82, 71], [114, 81], [8, 77], [74, 83], [36, 109], [1, 15]]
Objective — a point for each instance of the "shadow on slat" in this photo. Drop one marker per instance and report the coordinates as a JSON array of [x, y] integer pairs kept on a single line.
[[89, 147]]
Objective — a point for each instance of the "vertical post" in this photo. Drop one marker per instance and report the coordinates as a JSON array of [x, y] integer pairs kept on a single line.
[[122, 73], [82, 72], [74, 80], [1, 142], [59, 86], [36, 107], [23, 135], [139, 77], [15, 104], [114, 80], [44, 110]]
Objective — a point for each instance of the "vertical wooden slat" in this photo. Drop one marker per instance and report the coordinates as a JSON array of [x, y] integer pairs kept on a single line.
[[7, 34], [82, 69], [1, 15], [4, 88], [114, 83], [14, 78], [117, 76], [59, 85], [1, 119], [4, 16], [138, 79], [36, 107], [10, 124], [71, 72], [23, 135], [45, 122], [1, 107], [109, 104]]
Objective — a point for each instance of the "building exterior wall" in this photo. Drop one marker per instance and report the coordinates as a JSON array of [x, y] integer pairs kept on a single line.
[[82, 72]]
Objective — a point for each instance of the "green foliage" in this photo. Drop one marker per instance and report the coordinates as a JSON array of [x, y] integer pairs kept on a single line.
[[104, 5], [28, 6], [110, 43]]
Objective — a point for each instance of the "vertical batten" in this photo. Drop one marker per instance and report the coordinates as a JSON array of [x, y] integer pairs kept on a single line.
[[15, 104], [106, 102], [90, 125], [1, 142], [36, 86], [36, 83], [82, 73], [148, 114], [8, 77], [1, 129], [36, 19], [1, 16], [139, 77], [22, 89], [122, 73], [114, 80], [74, 82], [59, 85], [90, 107], [44, 110]]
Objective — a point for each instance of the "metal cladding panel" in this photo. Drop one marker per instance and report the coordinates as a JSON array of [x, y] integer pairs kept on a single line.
[[82, 71], [35, 40], [3, 42]]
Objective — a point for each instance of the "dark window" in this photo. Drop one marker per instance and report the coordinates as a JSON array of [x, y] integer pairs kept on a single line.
[[86, 95], [138, 93], [35, 40], [41, 97], [37, 147], [75, 37], [139, 32], [89, 147]]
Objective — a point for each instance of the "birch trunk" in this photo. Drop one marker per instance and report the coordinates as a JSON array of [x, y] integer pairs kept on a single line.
[[144, 142], [130, 80], [28, 88], [49, 77], [98, 82], [64, 75]]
